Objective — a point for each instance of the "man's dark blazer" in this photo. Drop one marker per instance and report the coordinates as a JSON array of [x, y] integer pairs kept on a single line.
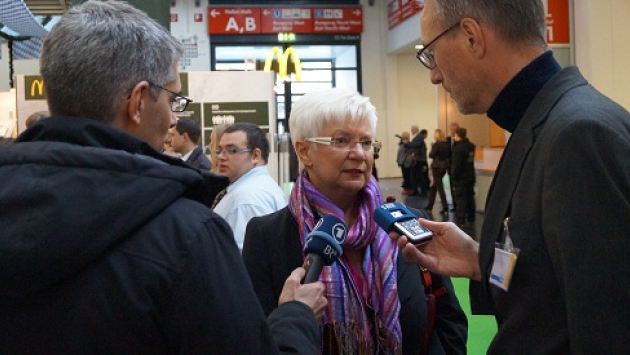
[[272, 250], [419, 148], [564, 181], [199, 160]]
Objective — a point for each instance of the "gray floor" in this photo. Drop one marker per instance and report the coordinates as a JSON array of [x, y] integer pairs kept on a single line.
[[391, 187]]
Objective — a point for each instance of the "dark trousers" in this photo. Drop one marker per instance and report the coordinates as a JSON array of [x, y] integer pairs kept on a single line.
[[406, 175], [465, 201], [424, 177], [450, 180], [437, 187], [419, 178]]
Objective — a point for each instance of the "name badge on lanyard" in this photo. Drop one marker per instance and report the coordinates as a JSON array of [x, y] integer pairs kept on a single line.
[[505, 256]]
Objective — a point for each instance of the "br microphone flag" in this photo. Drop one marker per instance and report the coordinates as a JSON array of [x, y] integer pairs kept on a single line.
[[323, 246]]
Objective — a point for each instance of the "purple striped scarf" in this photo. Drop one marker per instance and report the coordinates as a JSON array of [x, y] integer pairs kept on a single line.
[[346, 308]]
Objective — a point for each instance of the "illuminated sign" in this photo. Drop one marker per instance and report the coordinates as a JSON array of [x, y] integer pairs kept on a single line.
[[286, 37], [34, 88], [283, 61], [271, 20]]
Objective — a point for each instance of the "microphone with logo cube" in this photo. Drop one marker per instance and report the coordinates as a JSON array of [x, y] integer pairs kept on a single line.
[[394, 216], [323, 246]]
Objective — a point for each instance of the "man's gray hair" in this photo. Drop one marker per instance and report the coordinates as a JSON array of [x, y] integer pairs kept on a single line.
[[311, 113], [520, 22], [96, 54]]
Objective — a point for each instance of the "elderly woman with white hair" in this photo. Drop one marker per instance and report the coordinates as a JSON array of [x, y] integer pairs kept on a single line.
[[377, 303]]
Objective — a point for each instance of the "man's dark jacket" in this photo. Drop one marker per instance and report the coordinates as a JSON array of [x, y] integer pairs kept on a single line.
[[463, 162], [107, 247], [199, 160], [564, 181]]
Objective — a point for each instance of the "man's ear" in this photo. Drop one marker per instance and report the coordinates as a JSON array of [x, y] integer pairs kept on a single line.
[[257, 156], [302, 149], [475, 36], [136, 103]]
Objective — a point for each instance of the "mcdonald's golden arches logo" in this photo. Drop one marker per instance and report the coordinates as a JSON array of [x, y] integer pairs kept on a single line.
[[283, 62], [34, 88]]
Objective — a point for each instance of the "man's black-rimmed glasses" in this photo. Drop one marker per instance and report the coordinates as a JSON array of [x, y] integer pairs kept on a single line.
[[425, 55], [179, 103]]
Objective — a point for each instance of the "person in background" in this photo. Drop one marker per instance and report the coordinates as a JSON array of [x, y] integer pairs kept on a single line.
[[418, 149], [439, 164], [552, 259], [450, 140], [243, 152], [185, 141], [377, 148], [463, 175], [377, 302], [215, 137], [425, 181], [404, 160], [108, 245], [36, 117], [167, 148]]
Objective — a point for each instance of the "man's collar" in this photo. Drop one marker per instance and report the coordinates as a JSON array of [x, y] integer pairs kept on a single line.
[[512, 102]]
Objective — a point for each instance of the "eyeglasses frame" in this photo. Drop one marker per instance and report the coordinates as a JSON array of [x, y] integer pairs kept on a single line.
[[232, 151], [177, 96], [423, 48], [329, 140]]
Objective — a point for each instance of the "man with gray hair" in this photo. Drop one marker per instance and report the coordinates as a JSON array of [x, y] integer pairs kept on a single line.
[[109, 246], [552, 259]]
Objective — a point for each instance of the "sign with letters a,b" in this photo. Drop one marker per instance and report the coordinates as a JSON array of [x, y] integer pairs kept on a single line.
[[34, 87]]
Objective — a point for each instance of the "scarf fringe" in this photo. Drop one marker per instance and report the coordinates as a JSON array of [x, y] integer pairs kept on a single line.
[[349, 338]]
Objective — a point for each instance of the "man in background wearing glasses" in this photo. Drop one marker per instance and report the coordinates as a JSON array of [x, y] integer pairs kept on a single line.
[[243, 152], [552, 261], [106, 246]]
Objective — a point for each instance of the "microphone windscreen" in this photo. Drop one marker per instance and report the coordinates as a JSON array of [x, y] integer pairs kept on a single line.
[[386, 214], [326, 239]]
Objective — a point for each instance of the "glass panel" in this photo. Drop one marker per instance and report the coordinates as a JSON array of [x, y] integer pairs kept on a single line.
[[346, 79], [317, 65], [316, 75], [298, 87], [230, 66], [344, 56], [241, 53]]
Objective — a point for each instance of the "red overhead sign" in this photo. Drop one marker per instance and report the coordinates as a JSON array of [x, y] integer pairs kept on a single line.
[[228, 21], [337, 21], [296, 20], [400, 10], [346, 20]]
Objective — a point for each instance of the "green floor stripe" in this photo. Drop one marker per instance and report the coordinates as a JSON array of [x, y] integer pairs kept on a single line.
[[481, 329]]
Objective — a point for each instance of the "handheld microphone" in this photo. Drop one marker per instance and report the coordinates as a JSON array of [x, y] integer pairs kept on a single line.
[[323, 246], [398, 136], [396, 217]]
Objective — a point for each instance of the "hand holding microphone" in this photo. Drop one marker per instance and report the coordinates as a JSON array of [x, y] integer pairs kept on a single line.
[[323, 246]]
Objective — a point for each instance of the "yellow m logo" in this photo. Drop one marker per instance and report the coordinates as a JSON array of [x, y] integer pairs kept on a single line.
[[283, 61], [39, 85]]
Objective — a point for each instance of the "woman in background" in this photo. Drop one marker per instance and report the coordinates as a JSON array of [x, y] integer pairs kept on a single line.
[[376, 301]]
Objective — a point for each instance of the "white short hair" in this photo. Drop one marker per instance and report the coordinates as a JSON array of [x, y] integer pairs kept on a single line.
[[311, 113]]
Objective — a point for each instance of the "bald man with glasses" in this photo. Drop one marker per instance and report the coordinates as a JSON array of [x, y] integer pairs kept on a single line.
[[551, 262]]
